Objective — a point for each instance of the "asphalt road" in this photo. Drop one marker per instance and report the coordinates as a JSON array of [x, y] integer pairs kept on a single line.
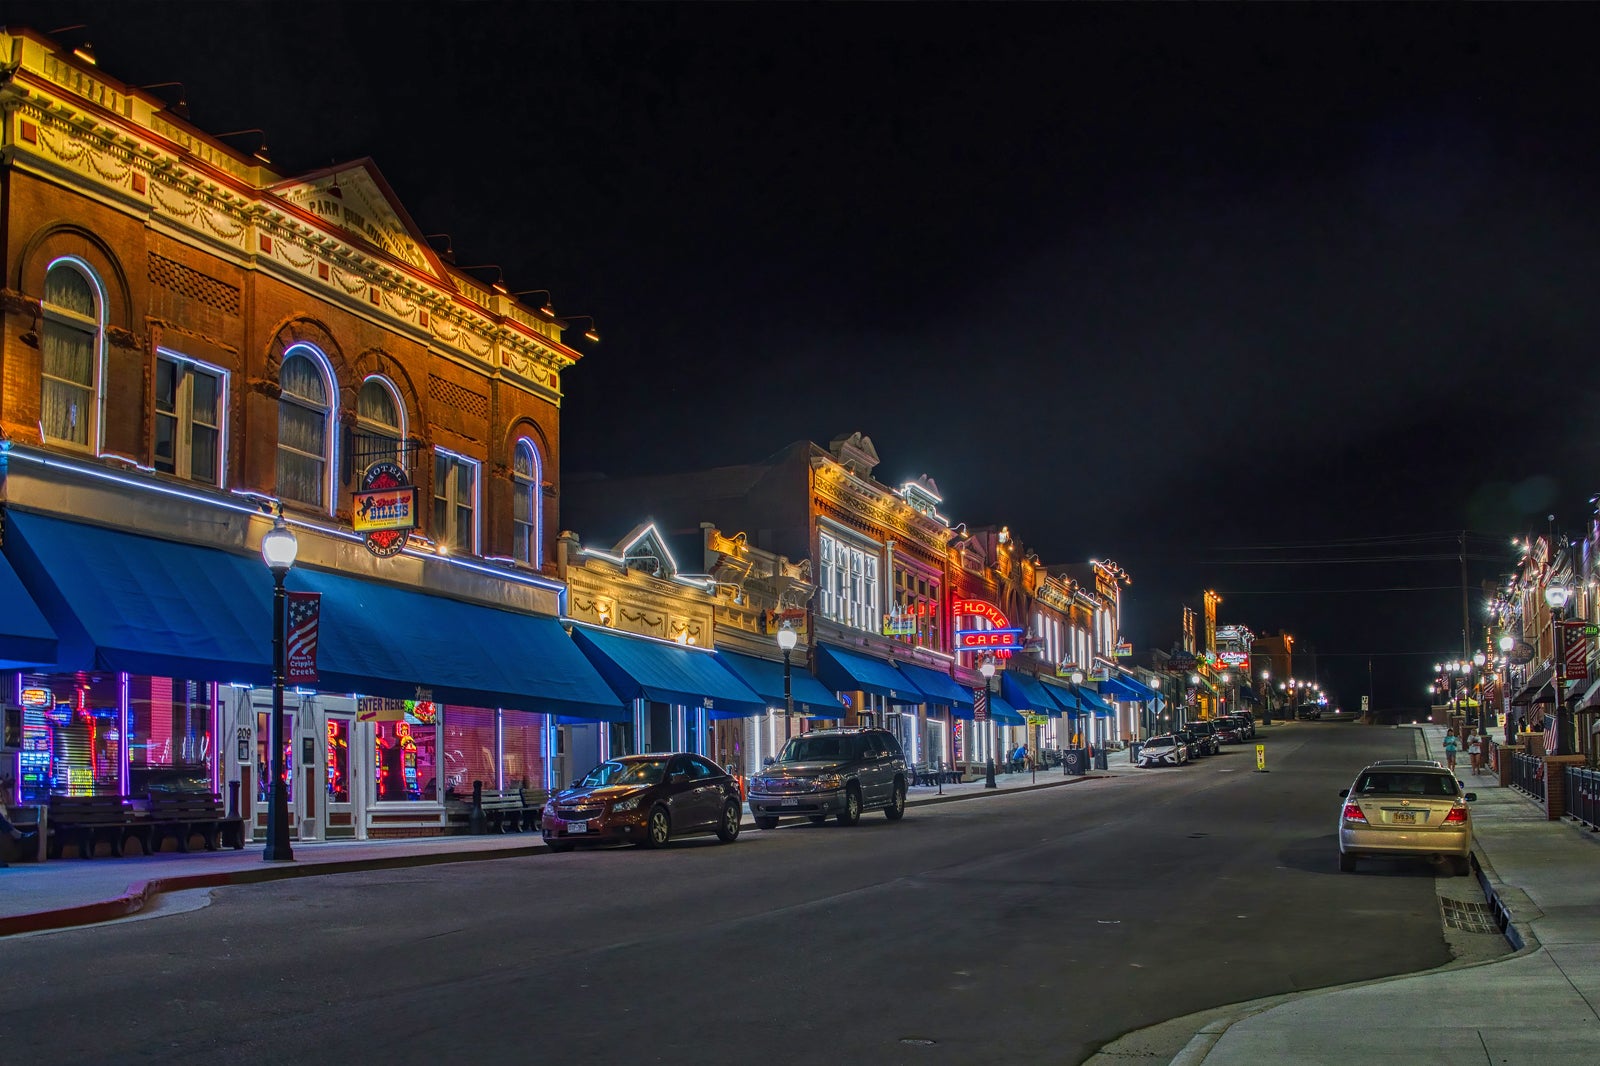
[[1029, 928]]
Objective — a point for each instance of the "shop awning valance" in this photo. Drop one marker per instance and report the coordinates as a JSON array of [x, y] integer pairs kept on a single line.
[[1071, 706], [641, 668], [1248, 694], [938, 686], [1525, 695], [1591, 696], [26, 639], [848, 671], [126, 602], [1126, 688], [1025, 691], [999, 710], [1093, 702], [765, 678]]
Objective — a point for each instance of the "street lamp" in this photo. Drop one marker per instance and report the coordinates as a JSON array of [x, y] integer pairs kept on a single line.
[[986, 668], [278, 549], [1556, 596], [787, 639]]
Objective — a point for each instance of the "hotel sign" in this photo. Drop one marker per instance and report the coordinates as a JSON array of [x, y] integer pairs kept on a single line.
[[384, 509]]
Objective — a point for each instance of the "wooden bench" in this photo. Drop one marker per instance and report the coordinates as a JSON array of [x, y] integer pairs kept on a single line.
[[511, 810], [185, 814], [87, 820]]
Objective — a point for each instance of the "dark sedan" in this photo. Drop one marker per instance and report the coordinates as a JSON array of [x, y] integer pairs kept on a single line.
[[646, 800]]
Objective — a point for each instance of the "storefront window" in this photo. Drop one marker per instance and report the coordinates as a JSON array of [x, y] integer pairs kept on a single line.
[[263, 752], [524, 748], [72, 741], [338, 760], [405, 756], [170, 735], [469, 750]]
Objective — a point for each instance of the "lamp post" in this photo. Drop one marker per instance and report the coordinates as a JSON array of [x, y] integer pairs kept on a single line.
[[1076, 677], [1479, 661], [1556, 596], [787, 639], [278, 549], [986, 668]]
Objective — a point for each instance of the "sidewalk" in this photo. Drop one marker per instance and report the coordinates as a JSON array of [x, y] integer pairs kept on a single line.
[[1538, 1005], [70, 892]]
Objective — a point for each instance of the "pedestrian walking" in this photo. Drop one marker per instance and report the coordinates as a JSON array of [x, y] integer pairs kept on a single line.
[[1452, 744], [1475, 750]]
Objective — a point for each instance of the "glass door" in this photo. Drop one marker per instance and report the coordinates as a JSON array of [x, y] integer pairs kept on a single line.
[[262, 776], [338, 792]]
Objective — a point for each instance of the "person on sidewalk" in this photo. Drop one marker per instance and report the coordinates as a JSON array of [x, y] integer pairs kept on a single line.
[[1452, 744], [1475, 750]]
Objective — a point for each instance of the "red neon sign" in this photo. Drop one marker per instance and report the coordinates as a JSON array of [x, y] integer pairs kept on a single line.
[[979, 609]]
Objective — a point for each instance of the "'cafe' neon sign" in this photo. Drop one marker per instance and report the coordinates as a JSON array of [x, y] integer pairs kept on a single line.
[[1003, 637]]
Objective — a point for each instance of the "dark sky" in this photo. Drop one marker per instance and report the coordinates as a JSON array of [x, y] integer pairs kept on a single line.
[[1166, 284]]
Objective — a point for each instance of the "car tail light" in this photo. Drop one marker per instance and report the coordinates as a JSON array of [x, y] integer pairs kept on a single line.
[[1352, 813], [1456, 816]]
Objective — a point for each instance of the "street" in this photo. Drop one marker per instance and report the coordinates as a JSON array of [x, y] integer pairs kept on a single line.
[[1017, 929]]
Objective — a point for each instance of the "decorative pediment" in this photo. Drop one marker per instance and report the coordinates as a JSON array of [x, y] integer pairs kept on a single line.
[[643, 549], [855, 453], [355, 197]]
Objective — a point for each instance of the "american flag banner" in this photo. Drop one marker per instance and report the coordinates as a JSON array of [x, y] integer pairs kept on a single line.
[[980, 705], [300, 645]]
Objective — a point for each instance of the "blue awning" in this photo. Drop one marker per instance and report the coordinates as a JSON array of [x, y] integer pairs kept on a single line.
[[1249, 694], [1024, 690], [846, 671], [121, 601], [999, 710], [1126, 688], [765, 678], [939, 687], [1091, 701], [26, 639], [642, 668]]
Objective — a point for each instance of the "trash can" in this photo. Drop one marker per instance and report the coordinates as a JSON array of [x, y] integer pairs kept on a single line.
[[1100, 759], [1075, 761], [1134, 748]]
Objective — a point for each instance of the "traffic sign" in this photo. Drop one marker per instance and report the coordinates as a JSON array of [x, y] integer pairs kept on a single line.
[[1261, 758]]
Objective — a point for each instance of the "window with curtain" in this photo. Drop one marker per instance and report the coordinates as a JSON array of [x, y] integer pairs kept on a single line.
[[455, 500], [849, 580], [471, 746], [379, 426], [303, 417], [70, 344], [526, 501], [188, 419]]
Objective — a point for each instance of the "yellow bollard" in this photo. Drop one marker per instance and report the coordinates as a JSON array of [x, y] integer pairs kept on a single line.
[[1261, 758]]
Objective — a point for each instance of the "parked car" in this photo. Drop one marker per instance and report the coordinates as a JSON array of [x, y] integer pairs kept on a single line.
[[644, 799], [1308, 712], [1230, 730], [1248, 718], [838, 772], [1205, 732], [1403, 809], [1191, 741], [1164, 749]]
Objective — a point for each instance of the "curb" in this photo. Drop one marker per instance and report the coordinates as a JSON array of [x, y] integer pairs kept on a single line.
[[140, 893]]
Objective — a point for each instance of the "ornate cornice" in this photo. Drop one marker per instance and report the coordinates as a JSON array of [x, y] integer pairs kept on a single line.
[[110, 146], [875, 510]]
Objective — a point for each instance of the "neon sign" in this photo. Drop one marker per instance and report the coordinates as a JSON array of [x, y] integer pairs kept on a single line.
[[989, 639], [37, 697], [979, 609]]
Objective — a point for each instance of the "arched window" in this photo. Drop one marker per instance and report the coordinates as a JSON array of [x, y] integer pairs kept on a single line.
[[380, 425], [69, 387], [527, 505], [305, 417]]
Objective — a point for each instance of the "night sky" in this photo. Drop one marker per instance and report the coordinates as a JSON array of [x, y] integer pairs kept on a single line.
[[1232, 295]]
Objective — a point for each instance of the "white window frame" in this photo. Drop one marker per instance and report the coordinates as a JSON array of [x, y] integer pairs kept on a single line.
[[535, 519], [97, 328], [453, 503], [848, 573], [183, 454], [330, 416]]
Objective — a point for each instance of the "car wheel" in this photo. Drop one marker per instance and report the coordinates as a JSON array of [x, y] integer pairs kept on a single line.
[[897, 803], [817, 819], [1347, 863], [764, 821], [731, 822], [1462, 866], [558, 848], [852, 806], [658, 830]]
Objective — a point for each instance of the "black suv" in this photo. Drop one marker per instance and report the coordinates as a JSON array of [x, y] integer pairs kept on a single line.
[[841, 772]]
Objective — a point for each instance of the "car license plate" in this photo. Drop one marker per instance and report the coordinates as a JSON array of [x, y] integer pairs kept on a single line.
[[577, 827], [1405, 817], [789, 801]]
